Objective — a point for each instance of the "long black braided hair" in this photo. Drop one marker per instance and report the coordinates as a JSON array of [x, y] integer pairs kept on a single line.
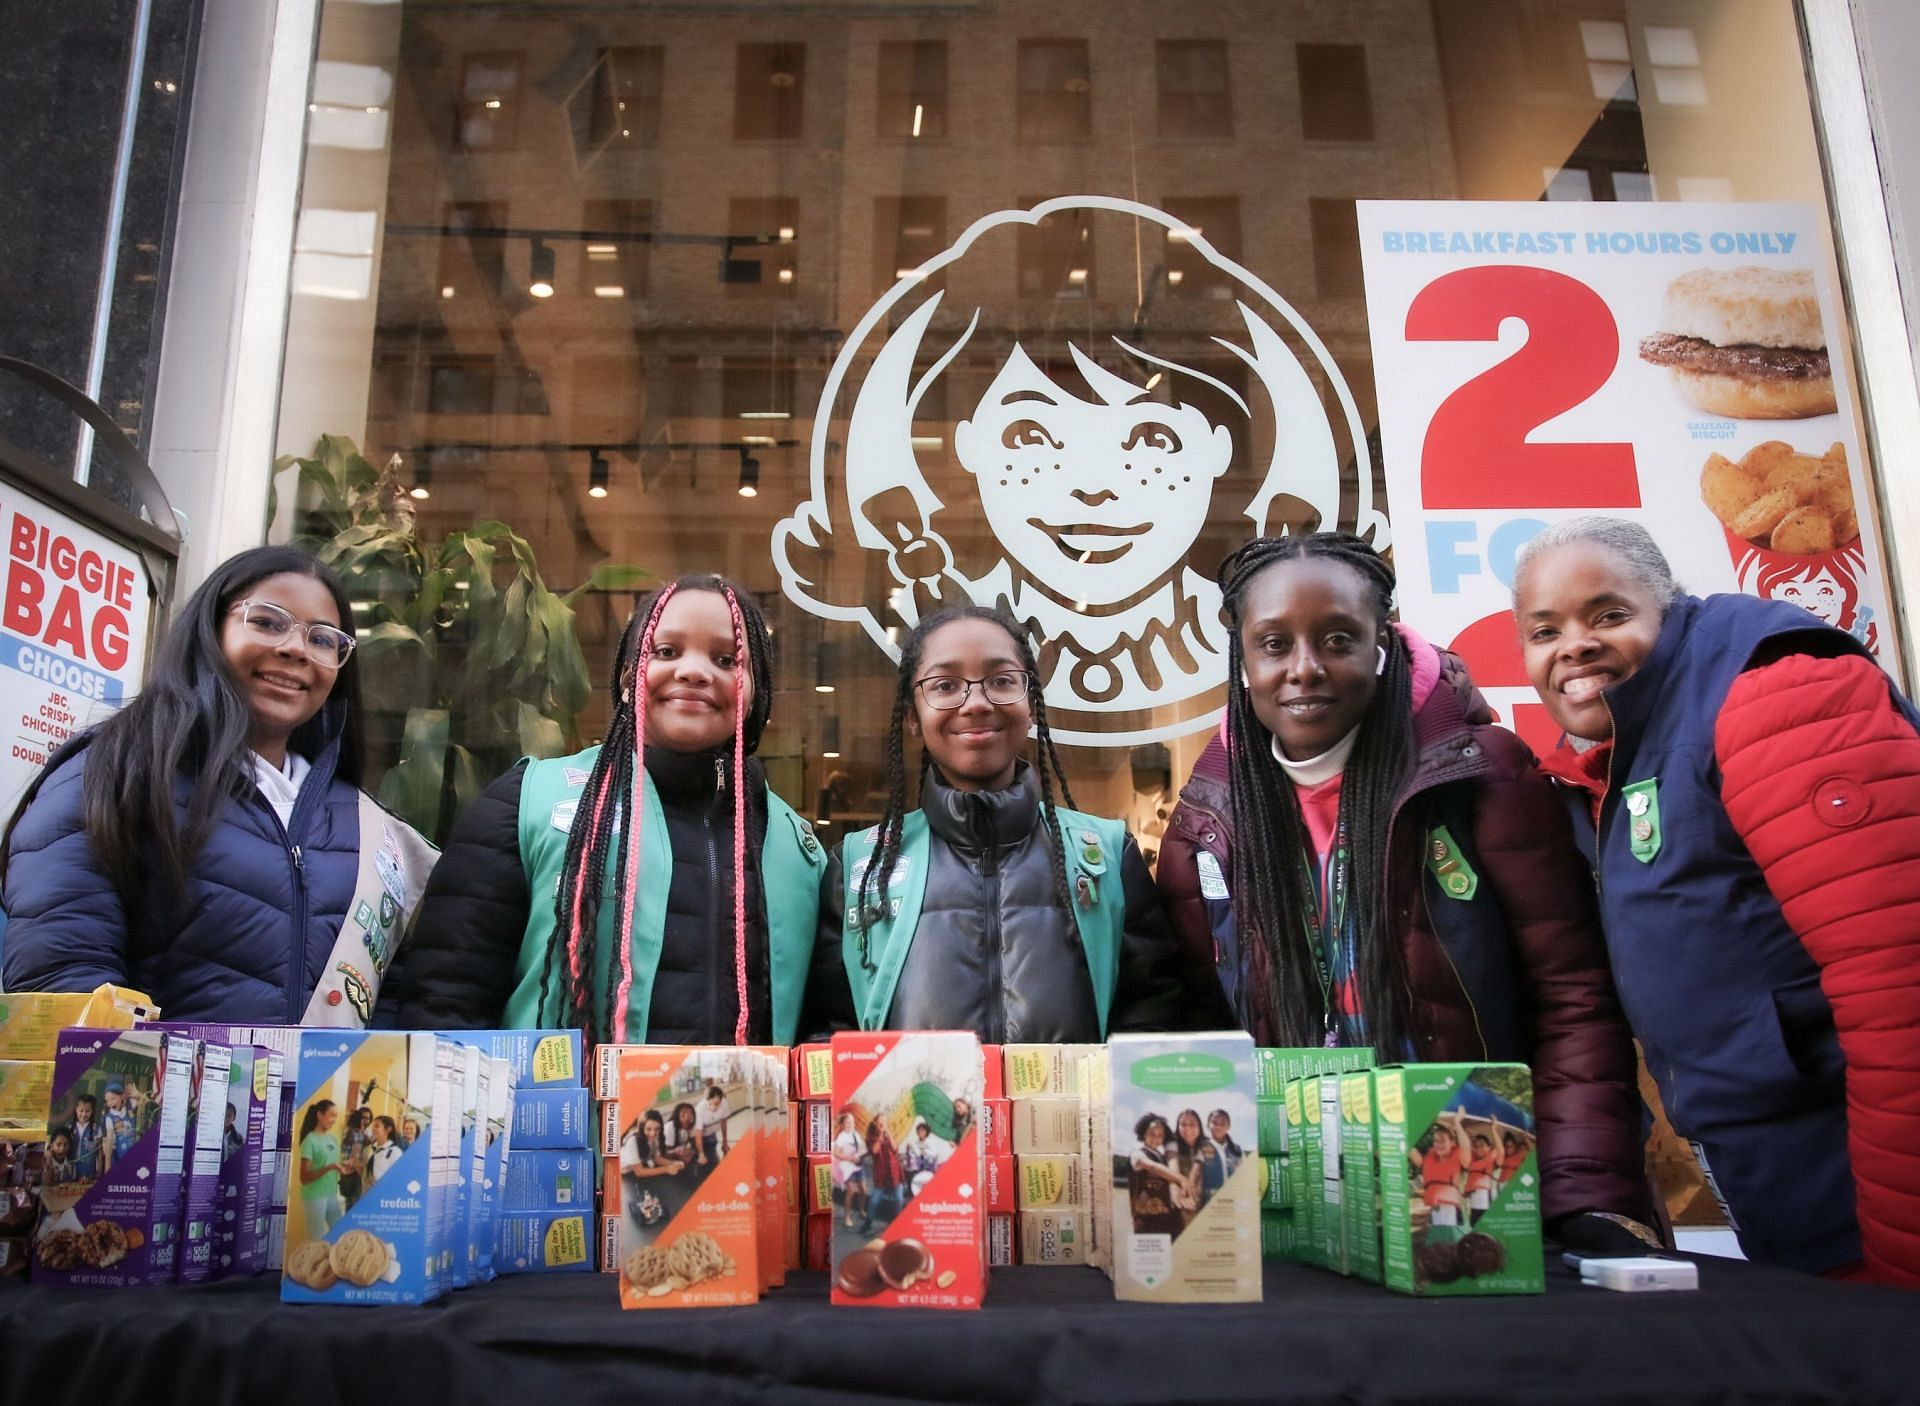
[[598, 830], [1274, 898], [873, 884]]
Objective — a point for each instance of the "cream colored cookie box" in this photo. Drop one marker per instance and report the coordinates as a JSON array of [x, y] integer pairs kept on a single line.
[[1037, 1071], [1174, 1241], [383, 1249], [1047, 1123]]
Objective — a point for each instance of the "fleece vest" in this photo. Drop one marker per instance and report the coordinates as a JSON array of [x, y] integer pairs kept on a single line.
[[791, 864]]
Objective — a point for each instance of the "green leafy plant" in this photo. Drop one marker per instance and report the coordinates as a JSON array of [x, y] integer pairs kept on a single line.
[[461, 641]]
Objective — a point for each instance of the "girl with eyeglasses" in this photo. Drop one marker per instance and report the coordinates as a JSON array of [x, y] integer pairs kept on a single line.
[[989, 906], [204, 844]]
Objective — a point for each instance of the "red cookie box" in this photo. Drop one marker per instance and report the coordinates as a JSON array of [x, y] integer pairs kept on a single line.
[[810, 1071], [1000, 1183], [817, 1247], [996, 1127], [818, 1200], [819, 1131], [1001, 1241], [926, 1241]]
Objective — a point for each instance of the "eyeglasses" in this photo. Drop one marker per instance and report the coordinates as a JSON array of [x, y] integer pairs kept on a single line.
[[327, 645], [1002, 690]]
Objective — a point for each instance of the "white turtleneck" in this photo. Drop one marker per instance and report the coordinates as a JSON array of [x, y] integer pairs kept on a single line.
[[1314, 770], [281, 788]]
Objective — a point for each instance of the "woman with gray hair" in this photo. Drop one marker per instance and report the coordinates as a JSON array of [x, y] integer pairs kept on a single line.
[[1746, 781]]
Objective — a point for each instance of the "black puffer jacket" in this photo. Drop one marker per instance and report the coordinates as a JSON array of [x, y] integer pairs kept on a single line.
[[995, 953], [459, 967]]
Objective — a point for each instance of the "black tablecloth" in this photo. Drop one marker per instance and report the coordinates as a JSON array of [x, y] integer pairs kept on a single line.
[[1749, 1334]]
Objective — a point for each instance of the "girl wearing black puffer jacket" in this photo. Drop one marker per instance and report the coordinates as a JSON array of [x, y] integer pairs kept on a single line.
[[989, 907], [715, 890]]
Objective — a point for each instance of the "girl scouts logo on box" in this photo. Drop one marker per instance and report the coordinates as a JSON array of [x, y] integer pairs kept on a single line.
[[1080, 448]]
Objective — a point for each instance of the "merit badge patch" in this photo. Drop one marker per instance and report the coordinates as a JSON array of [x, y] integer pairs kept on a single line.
[[1642, 800]]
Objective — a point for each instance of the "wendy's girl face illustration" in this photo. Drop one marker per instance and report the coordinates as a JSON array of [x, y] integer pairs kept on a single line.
[[1821, 593], [1094, 499]]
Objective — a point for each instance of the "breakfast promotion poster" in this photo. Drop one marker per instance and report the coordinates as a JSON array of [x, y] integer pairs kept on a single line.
[[1680, 364]]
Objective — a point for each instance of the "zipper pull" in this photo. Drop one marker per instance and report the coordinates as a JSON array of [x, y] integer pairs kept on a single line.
[[298, 861], [719, 775]]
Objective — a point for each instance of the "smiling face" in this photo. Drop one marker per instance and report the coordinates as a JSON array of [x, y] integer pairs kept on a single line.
[[977, 744], [328, 1117], [1218, 1125], [1310, 638], [694, 676], [1189, 1130], [1155, 1135], [283, 687], [1820, 593], [1095, 499], [1586, 624]]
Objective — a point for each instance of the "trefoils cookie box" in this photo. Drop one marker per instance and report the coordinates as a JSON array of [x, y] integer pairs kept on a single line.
[[1458, 1216], [380, 1249], [1184, 1231], [688, 1150], [113, 1191], [920, 1240]]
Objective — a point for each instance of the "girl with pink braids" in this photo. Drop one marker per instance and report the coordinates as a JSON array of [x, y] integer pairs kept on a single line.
[[665, 834]]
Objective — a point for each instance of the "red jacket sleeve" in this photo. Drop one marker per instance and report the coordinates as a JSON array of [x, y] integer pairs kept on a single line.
[[1820, 775]]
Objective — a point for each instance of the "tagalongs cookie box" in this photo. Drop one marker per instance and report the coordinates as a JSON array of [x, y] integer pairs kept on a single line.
[[379, 1249], [113, 1201], [918, 1238]]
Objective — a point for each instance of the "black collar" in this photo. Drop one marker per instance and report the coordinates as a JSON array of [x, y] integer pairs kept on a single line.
[[978, 820]]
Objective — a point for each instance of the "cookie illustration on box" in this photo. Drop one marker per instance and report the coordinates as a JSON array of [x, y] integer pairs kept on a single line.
[[688, 1167], [1459, 1179], [376, 1250], [917, 1178], [113, 1187]]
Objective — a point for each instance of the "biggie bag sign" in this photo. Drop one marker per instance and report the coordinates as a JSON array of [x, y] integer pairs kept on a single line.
[[73, 628]]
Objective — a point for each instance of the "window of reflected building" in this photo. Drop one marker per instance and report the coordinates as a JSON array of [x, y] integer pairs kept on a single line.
[[694, 288]]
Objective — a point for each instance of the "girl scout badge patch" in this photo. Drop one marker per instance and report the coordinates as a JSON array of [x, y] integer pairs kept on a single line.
[[1643, 818], [1449, 865]]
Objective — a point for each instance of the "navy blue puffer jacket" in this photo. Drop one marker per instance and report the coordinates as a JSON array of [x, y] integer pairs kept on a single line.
[[263, 904]]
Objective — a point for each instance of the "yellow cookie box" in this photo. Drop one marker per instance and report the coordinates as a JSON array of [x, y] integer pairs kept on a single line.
[[30, 1021]]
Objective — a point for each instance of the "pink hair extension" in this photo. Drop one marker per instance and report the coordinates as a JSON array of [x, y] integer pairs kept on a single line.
[[575, 966], [743, 677], [636, 809]]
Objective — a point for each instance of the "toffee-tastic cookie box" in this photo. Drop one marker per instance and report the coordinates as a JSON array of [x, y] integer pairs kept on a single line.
[[1181, 1235]]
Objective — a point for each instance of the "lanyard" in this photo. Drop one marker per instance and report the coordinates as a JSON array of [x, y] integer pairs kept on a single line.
[[1320, 933]]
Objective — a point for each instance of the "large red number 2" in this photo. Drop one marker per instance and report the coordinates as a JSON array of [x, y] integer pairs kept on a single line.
[[1476, 453]]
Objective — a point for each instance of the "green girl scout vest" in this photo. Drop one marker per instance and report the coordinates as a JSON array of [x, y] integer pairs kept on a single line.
[[791, 864], [1094, 847]]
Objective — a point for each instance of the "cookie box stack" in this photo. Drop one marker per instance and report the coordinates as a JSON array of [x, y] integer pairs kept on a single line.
[[697, 1144], [391, 1234], [30, 1026], [1292, 1224], [266, 1055], [1047, 1157]]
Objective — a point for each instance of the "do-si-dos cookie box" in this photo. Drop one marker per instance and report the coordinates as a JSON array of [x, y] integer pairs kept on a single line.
[[380, 1248]]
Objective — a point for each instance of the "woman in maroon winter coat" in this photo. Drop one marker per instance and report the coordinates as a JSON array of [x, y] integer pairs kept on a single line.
[[1419, 891], [1749, 782]]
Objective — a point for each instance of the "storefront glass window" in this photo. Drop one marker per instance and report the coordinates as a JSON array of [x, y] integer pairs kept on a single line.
[[1049, 304]]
